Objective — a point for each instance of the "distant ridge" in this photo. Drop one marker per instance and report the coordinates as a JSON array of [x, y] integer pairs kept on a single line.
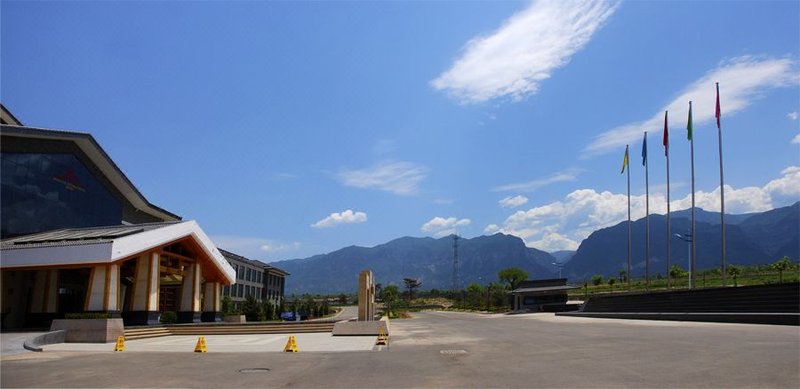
[[429, 259], [755, 238]]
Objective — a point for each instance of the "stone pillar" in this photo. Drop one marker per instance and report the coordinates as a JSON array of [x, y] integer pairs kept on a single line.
[[103, 294], [366, 296], [144, 310], [211, 302], [189, 311]]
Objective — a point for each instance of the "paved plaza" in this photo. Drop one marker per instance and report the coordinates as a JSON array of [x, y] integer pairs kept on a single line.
[[442, 349]]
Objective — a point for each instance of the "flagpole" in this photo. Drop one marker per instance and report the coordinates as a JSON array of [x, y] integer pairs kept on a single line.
[[721, 192], [669, 221], [647, 211], [629, 218], [692, 263]]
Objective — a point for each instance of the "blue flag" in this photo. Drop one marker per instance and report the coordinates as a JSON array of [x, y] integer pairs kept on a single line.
[[644, 150]]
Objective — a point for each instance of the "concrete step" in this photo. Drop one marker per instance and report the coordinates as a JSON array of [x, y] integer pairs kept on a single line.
[[152, 332]]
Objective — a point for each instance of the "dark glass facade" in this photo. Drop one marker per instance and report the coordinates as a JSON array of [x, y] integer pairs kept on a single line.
[[42, 192]]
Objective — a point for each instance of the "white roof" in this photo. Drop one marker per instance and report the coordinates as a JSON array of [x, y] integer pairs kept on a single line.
[[105, 245]]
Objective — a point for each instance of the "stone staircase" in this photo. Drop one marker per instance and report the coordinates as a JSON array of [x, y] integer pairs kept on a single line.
[[203, 329]]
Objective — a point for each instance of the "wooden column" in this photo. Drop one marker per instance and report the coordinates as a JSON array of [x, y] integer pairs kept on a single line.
[[144, 309], [37, 302], [190, 295], [103, 294], [211, 302]]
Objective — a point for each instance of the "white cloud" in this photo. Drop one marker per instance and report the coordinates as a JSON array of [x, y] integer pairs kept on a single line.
[[400, 178], [554, 242], [562, 176], [562, 225], [792, 115], [741, 80], [796, 139], [271, 247], [344, 217], [252, 247], [491, 229], [524, 51], [513, 202], [439, 226]]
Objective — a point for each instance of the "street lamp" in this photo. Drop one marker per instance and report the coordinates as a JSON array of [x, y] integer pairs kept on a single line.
[[688, 238]]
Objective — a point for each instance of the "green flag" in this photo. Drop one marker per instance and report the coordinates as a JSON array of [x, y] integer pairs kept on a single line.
[[689, 124]]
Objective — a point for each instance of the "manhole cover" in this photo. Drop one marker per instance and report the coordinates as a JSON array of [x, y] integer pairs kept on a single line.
[[452, 352], [255, 370]]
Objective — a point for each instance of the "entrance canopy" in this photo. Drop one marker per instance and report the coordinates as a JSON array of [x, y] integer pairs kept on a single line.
[[107, 245]]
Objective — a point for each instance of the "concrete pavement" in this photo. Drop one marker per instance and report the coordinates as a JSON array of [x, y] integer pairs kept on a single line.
[[262, 343], [438, 349]]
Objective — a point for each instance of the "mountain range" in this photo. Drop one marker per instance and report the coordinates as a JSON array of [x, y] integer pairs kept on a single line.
[[754, 238]]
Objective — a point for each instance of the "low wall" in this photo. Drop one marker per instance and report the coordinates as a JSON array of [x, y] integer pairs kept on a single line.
[[90, 330], [52, 337], [360, 328]]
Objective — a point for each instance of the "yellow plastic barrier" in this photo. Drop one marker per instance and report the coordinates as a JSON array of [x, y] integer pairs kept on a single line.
[[291, 345], [201, 345], [383, 338], [120, 343]]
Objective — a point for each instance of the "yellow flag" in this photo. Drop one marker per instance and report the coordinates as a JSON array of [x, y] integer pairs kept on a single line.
[[625, 160]]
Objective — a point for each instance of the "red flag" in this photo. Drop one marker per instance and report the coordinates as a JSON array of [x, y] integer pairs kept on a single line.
[[719, 113], [666, 135]]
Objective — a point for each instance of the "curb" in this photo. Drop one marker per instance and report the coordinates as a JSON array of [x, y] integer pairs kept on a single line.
[[51, 337]]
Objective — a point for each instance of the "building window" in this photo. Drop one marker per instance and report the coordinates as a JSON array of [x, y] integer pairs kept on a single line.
[[44, 192]]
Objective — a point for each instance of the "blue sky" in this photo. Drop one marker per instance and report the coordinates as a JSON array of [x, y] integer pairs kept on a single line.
[[288, 129]]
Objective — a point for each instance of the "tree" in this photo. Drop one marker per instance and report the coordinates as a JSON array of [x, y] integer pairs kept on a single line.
[[597, 280], [512, 276], [734, 271], [781, 266], [343, 299], [475, 294], [623, 276], [411, 284], [676, 272], [252, 309], [611, 281], [389, 294], [227, 306]]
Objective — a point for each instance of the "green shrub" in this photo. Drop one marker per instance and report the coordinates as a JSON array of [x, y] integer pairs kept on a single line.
[[88, 315], [168, 317], [228, 307], [252, 309]]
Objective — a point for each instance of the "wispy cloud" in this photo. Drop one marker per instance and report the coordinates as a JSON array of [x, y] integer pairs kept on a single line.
[[562, 225], [796, 139], [742, 80], [512, 202], [529, 186], [792, 115], [439, 226], [284, 176], [402, 178], [344, 217], [524, 51], [252, 247]]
